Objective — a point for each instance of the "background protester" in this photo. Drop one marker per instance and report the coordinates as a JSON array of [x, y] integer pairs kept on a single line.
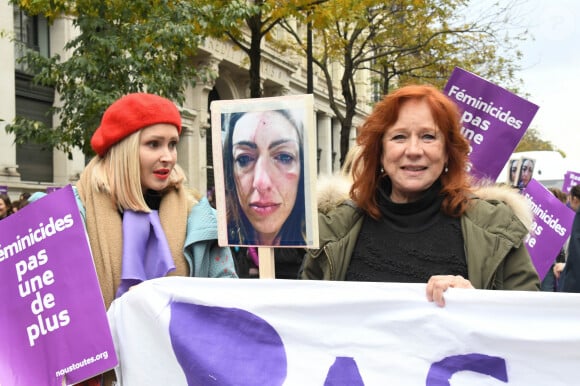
[[413, 215], [550, 283], [573, 200], [513, 172], [264, 174], [15, 206], [570, 280], [246, 260], [571, 267], [287, 262], [5, 206]]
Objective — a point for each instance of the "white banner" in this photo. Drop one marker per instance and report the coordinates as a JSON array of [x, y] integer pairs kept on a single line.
[[192, 331]]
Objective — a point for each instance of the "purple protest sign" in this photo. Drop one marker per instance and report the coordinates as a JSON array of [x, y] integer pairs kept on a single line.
[[53, 324], [493, 119], [570, 179], [551, 227]]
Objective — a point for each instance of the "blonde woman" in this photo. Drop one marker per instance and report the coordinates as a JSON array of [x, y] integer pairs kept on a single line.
[[141, 220], [134, 183]]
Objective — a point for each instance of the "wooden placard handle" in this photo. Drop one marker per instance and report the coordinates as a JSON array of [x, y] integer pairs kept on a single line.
[[267, 264]]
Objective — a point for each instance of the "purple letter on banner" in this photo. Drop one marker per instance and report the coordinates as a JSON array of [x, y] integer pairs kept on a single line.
[[344, 372], [493, 119], [441, 372], [551, 227], [226, 346]]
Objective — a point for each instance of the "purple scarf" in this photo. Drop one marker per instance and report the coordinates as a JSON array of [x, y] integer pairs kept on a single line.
[[146, 253]]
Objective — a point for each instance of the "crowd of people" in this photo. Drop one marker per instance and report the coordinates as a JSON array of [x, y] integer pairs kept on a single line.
[[8, 207], [403, 210]]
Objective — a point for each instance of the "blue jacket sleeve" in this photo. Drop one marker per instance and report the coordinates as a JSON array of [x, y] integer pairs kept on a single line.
[[206, 258]]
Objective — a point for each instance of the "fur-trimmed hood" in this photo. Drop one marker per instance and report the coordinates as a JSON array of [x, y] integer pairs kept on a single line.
[[334, 190], [331, 191]]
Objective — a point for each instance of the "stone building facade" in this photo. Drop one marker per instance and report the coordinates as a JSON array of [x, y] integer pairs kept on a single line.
[[31, 168]]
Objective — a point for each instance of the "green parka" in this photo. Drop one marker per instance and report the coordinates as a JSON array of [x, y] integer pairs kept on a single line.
[[493, 232]]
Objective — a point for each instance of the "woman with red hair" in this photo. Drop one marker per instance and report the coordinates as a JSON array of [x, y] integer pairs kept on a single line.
[[412, 215]]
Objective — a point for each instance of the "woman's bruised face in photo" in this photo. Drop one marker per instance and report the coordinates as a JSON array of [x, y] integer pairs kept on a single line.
[[266, 153]]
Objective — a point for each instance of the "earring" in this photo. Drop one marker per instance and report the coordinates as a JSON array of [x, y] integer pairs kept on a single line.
[[446, 169], [382, 170]]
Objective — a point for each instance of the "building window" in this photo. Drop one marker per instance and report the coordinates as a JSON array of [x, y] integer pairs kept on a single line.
[[35, 163], [32, 33]]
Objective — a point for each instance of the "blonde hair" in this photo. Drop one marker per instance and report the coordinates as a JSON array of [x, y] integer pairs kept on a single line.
[[118, 174]]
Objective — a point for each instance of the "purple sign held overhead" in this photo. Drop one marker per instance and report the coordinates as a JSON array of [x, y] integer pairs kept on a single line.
[[53, 324], [571, 179], [551, 227], [493, 119]]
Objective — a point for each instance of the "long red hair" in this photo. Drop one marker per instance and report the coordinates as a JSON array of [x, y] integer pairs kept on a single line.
[[366, 166]]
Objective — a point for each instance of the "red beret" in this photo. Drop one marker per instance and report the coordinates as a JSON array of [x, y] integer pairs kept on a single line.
[[131, 113]]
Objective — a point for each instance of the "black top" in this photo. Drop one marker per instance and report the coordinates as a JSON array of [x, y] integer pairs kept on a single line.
[[153, 199], [410, 242]]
